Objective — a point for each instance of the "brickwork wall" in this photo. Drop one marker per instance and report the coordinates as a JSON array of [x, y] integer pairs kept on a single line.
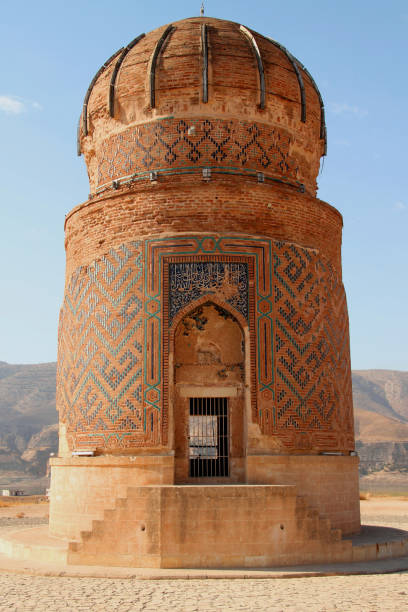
[[116, 321], [188, 204]]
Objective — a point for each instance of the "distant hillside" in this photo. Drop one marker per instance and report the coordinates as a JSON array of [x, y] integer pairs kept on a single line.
[[381, 391], [27, 401], [380, 405], [381, 424], [27, 407], [371, 427], [28, 418]]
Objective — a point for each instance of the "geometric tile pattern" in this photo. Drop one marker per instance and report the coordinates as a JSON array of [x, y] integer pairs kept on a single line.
[[313, 386], [302, 386], [117, 324], [195, 143], [100, 356]]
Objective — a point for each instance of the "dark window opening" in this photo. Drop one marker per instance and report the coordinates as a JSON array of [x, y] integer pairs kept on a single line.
[[208, 437]]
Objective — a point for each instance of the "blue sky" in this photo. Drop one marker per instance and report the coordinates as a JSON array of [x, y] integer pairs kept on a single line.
[[356, 51]]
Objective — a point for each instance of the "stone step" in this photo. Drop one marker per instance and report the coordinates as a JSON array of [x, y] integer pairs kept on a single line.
[[375, 544], [34, 543]]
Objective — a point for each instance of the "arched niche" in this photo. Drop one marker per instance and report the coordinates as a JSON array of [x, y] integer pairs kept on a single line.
[[210, 365]]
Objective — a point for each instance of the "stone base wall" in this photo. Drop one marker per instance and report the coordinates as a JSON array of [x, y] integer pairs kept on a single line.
[[82, 488], [328, 482], [210, 526]]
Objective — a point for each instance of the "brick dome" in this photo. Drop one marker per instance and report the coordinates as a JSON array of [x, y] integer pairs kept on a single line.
[[196, 77]]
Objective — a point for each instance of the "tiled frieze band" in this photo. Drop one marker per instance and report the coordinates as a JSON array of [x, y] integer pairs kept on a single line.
[[172, 143]]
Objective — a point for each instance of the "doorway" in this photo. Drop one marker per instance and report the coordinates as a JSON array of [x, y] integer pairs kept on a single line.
[[208, 392]]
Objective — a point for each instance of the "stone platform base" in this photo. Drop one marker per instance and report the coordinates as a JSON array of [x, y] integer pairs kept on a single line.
[[210, 526], [127, 511], [83, 488], [32, 551]]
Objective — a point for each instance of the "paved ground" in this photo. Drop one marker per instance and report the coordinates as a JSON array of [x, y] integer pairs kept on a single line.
[[375, 593]]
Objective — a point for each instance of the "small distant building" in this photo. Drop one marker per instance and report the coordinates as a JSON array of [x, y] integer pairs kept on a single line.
[[204, 383], [5, 492]]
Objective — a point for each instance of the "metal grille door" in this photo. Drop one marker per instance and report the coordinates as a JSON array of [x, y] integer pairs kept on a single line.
[[208, 437]]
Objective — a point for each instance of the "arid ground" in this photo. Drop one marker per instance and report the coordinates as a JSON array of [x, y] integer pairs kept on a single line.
[[367, 593]]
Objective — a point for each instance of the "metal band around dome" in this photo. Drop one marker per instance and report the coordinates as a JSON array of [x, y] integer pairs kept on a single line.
[[204, 49], [256, 51], [156, 54], [116, 70]]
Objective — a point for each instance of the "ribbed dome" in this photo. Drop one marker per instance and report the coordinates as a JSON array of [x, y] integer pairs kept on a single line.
[[204, 69]]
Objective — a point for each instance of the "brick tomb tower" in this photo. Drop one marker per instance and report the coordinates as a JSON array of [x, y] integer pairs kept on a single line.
[[204, 384]]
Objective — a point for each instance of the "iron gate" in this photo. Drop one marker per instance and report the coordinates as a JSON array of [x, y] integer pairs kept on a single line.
[[208, 437]]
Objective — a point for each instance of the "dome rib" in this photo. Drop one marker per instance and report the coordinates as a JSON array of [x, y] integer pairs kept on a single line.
[[295, 67], [204, 51], [88, 95], [250, 37], [116, 70], [156, 53], [323, 129]]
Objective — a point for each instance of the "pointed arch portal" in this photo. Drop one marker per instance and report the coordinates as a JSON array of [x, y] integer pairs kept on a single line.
[[209, 374]]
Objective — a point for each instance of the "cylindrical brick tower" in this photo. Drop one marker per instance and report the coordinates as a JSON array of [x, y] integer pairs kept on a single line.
[[203, 336]]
